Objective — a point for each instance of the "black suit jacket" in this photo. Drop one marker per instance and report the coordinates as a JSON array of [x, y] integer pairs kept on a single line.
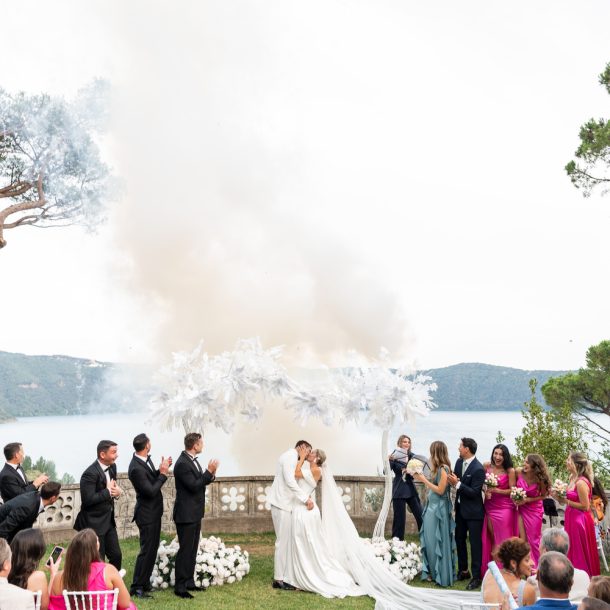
[[469, 493], [149, 499], [97, 505], [402, 489], [18, 514], [189, 506], [11, 483]]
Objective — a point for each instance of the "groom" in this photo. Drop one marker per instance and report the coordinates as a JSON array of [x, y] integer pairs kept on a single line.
[[282, 496]]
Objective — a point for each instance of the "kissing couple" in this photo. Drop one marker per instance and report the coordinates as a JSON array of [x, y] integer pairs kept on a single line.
[[322, 552]]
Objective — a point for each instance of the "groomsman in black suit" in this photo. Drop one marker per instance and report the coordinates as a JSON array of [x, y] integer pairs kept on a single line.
[[147, 482], [21, 512], [12, 477], [403, 491], [468, 478], [189, 508], [98, 492]]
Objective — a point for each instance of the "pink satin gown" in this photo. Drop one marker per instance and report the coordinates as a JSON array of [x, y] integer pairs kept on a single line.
[[501, 512], [531, 515], [580, 528], [96, 583]]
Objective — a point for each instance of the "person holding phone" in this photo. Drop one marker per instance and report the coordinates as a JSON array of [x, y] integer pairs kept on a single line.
[[28, 548]]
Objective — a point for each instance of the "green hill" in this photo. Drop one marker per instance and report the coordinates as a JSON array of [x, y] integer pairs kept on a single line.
[[485, 387], [61, 385]]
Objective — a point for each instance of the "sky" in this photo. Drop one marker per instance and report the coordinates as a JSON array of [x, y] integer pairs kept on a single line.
[[328, 175]]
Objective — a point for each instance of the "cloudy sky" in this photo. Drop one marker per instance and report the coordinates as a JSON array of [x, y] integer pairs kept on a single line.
[[329, 175]]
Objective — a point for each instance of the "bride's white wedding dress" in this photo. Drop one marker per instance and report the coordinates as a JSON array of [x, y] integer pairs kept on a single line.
[[313, 565], [329, 557]]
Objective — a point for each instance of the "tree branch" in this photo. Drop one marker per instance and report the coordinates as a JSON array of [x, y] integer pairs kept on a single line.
[[14, 190]]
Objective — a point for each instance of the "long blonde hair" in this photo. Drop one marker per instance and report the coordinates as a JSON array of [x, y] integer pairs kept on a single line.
[[439, 456], [582, 465]]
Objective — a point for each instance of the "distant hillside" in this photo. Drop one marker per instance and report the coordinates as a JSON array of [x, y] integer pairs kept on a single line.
[[478, 387], [60, 385]]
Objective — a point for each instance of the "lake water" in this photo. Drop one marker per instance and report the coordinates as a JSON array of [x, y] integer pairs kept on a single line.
[[252, 449]]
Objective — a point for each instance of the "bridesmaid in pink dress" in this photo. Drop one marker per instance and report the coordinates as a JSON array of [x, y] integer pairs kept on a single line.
[[500, 520], [578, 522], [534, 478]]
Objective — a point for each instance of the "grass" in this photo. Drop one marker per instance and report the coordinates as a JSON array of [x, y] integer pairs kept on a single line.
[[254, 592]]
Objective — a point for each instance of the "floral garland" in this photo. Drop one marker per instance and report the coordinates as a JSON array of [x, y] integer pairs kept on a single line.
[[403, 558], [216, 564]]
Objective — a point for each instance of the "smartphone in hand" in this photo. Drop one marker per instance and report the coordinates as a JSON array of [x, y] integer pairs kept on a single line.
[[55, 554]]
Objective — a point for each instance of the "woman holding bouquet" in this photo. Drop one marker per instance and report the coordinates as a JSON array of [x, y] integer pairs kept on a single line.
[[500, 521], [436, 534], [578, 522], [534, 479]]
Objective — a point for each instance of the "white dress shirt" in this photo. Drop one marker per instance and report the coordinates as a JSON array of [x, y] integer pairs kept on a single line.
[[14, 598]]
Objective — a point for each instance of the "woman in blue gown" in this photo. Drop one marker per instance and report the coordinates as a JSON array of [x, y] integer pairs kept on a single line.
[[436, 535]]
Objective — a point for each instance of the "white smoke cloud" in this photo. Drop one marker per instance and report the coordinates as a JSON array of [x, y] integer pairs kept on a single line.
[[228, 232]]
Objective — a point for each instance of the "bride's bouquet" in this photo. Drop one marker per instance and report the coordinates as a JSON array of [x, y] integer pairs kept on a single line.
[[517, 494], [491, 480]]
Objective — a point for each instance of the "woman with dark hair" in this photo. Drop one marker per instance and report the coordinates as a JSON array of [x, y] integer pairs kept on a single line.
[[534, 478], [514, 558], [578, 521], [83, 571], [28, 549], [436, 534], [500, 520]]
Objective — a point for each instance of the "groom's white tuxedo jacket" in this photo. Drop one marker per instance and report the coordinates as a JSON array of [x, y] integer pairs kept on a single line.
[[285, 490]]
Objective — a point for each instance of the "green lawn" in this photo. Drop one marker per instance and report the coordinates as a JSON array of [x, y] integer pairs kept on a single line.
[[253, 592]]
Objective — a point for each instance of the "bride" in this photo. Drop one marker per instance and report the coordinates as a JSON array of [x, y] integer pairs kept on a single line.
[[329, 557]]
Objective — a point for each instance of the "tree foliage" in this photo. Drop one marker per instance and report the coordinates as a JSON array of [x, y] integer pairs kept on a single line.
[[592, 167], [586, 394], [40, 466], [51, 173], [550, 433]]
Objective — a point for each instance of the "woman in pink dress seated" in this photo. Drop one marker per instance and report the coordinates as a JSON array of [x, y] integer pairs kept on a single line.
[[578, 522], [500, 514], [534, 478], [83, 571]]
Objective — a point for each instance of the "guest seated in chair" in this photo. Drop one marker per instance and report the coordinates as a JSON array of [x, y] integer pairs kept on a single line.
[[28, 549], [555, 579], [83, 571], [514, 559]]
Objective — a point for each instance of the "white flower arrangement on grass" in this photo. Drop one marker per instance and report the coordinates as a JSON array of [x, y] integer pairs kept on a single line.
[[216, 564], [403, 558]]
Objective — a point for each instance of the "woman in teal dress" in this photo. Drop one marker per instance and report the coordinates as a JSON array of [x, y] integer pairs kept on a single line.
[[436, 535]]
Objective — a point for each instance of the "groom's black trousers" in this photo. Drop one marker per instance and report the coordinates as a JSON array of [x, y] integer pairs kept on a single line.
[[145, 562], [473, 529]]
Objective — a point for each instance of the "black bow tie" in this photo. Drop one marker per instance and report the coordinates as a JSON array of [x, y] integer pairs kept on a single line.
[[107, 469]]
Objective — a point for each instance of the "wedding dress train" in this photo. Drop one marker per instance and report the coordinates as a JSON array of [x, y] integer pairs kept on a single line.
[[330, 547]]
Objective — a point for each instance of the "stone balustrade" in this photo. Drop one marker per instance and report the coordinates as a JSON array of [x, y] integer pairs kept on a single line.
[[233, 505]]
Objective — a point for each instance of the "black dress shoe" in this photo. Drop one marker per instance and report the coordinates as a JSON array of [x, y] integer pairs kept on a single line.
[[141, 594], [277, 584], [184, 594], [288, 587], [463, 575], [475, 583]]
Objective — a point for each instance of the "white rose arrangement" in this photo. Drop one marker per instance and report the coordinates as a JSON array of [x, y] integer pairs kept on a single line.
[[216, 564], [517, 494], [403, 558]]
